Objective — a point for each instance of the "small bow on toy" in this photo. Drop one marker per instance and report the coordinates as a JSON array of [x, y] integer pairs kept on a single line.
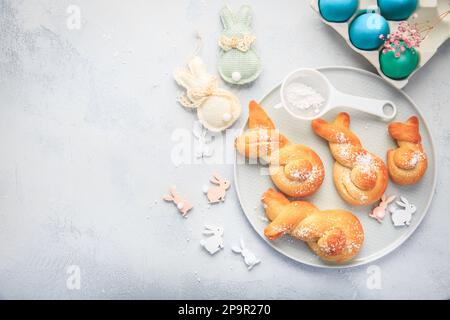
[[195, 97], [239, 62], [217, 109], [242, 44]]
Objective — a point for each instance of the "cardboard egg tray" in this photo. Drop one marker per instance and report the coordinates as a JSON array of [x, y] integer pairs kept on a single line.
[[428, 11]]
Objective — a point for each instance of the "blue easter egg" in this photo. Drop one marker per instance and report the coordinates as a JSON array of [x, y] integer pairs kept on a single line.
[[366, 29], [397, 9], [337, 10]]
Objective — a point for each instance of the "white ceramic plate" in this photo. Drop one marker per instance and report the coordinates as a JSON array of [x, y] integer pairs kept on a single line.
[[251, 180]]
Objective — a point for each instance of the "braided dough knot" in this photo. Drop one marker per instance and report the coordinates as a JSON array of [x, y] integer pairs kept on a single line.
[[360, 177], [298, 170], [334, 235], [295, 169], [403, 157], [259, 143]]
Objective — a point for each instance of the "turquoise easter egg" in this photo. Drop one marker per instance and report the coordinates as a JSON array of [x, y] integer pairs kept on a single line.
[[399, 67], [337, 10], [397, 9], [365, 31]]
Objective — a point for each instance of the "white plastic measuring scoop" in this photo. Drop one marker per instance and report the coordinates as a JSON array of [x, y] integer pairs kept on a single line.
[[330, 98]]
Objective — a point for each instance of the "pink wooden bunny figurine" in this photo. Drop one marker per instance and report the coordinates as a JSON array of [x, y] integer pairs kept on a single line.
[[182, 204], [217, 194], [379, 212]]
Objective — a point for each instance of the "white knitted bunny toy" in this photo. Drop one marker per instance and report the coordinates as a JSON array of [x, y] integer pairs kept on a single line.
[[217, 109]]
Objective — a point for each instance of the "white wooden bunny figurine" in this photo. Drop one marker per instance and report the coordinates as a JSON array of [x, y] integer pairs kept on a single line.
[[249, 257], [379, 212], [202, 150], [217, 194], [217, 109], [214, 243], [402, 217], [182, 204]]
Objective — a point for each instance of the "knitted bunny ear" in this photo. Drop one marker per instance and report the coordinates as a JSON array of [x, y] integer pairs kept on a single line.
[[183, 77], [227, 17], [245, 15], [197, 67]]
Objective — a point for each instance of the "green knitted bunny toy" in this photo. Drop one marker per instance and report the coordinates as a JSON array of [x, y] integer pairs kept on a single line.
[[239, 63]]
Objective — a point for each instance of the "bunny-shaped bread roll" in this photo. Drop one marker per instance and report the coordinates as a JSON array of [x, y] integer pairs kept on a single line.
[[294, 168], [360, 177], [261, 137], [334, 235], [217, 109], [239, 62], [408, 163]]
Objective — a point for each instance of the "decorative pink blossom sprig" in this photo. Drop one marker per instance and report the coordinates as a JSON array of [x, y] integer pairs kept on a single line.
[[409, 34]]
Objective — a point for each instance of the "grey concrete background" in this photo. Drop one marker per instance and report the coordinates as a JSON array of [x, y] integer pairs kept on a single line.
[[86, 118]]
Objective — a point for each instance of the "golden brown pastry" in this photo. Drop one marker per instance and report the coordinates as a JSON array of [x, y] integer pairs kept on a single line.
[[261, 137], [295, 169], [360, 177], [334, 235], [408, 163]]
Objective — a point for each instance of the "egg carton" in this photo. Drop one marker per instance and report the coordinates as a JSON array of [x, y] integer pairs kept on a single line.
[[428, 11]]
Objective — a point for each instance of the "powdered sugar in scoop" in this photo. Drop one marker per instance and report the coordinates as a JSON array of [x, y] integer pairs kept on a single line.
[[304, 98]]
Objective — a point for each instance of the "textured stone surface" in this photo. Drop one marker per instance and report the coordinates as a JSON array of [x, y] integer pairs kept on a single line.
[[86, 119]]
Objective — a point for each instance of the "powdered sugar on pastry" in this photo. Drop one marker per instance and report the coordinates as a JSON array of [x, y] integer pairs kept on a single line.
[[334, 235], [360, 177], [294, 168], [408, 163]]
